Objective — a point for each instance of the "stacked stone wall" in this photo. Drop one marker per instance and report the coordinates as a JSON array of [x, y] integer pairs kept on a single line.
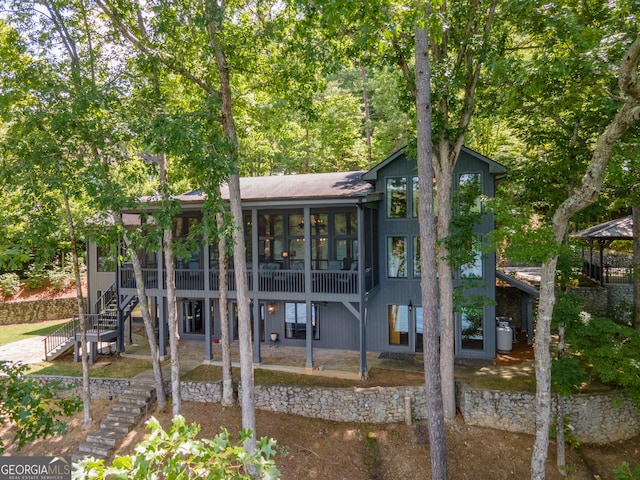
[[100, 387], [365, 405], [37, 310], [595, 418], [596, 299], [619, 294]]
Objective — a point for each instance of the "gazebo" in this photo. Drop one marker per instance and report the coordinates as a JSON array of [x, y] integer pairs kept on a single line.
[[604, 234]]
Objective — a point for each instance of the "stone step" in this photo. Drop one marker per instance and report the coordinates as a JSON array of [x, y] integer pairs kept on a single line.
[[95, 449], [105, 436], [122, 427], [123, 418], [142, 390], [134, 399], [129, 408]]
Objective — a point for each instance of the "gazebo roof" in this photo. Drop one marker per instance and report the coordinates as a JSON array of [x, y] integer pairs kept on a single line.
[[619, 229]]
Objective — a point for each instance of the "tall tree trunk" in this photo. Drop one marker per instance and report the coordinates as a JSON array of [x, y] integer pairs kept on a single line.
[[86, 386], [543, 368], [561, 457], [428, 267], [141, 290], [635, 209], [583, 196], [172, 310], [227, 379], [444, 168], [247, 401]]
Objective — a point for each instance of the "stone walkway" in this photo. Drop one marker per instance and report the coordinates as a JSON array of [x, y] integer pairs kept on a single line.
[[29, 350]]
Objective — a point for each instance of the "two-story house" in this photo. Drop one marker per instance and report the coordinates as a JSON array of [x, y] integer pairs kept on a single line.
[[332, 262]]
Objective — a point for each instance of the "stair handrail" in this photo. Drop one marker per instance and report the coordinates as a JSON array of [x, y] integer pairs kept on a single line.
[[61, 335], [106, 298]]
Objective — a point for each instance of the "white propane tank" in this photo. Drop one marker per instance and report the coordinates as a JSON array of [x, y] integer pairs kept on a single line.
[[504, 339]]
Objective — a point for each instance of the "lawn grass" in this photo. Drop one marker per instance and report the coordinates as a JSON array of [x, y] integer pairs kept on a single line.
[[378, 377], [21, 331]]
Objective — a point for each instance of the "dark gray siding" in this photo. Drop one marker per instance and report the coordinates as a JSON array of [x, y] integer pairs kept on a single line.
[[405, 291]]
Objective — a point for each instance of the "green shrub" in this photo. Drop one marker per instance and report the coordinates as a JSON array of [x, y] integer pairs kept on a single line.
[[610, 349], [625, 472], [9, 284], [59, 279], [177, 453], [36, 275]]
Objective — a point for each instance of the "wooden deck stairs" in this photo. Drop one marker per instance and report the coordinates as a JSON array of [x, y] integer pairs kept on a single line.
[[101, 327]]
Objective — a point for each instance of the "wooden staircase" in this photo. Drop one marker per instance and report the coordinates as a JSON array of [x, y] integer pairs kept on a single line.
[[102, 326]]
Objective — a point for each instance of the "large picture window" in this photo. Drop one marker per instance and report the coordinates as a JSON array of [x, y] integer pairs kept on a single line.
[[472, 328], [416, 256], [107, 258], [415, 197], [398, 324], [397, 197], [270, 237], [470, 191], [473, 269], [295, 321], [397, 257]]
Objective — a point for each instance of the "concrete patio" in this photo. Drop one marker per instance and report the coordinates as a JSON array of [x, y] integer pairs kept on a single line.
[[342, 363]]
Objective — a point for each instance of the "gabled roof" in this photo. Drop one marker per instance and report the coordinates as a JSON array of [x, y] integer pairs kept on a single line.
[[294, 187], [494, 167], [619, 229]]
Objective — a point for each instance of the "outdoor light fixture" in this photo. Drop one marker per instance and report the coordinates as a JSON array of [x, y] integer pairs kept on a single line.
[[285, 254], [271, 308], [410, 306]]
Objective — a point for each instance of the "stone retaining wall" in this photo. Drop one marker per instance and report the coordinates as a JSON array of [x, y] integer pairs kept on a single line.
[[366, 405], [100, 387], [619, 293], [596, 299], [37, 310], [200, 391], [595, 418]]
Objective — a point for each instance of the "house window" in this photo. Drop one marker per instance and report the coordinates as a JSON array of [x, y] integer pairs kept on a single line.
[[397, 197], [270, 237], [470, 191], [345, 228], [396, 257], [319, 239], [415, 198], [472, 328], [192, 321], [473, 269], [419, 330], [398, 324], [107, 258], [295, 321], [416, 256]]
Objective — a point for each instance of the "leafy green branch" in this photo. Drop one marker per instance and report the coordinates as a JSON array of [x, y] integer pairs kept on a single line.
[[177, 454], [35, 409]]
